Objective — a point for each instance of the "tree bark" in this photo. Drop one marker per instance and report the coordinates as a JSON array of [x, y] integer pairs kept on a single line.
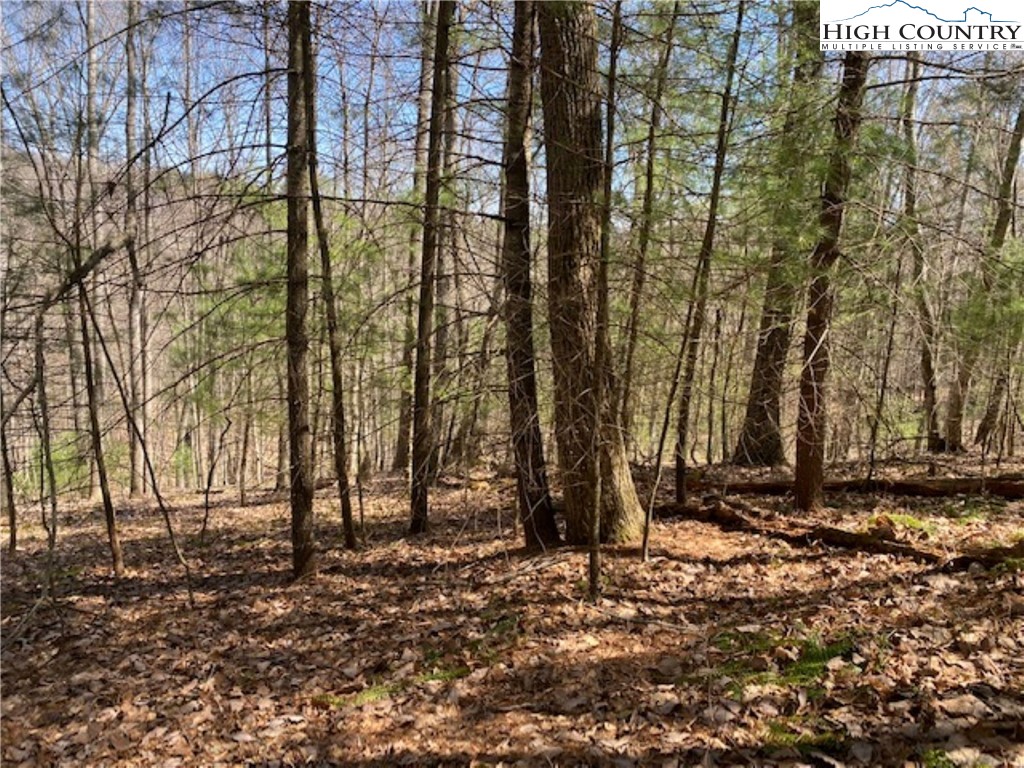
[[535, 509], [338, 435], [811, 420], [926, 320], [300, 447], [698, 306], [760, 440], [571, 98], [401, 459], [131, 224], [113, 538], [7, 479], [422, 433]]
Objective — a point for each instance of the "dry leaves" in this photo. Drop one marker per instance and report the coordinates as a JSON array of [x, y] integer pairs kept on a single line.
[[458, 649]]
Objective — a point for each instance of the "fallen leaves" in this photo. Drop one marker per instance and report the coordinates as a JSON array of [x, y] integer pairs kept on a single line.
[[458, 649]]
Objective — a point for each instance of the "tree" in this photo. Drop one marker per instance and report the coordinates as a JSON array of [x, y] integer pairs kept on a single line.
[[341, 455], [926, 319], [571, 99], [535, 509], [697, 311], [422, 433], [133, 230], [645, 226], [997, 237], [760, 440], [300, 447], [811, 419], [427, 35]]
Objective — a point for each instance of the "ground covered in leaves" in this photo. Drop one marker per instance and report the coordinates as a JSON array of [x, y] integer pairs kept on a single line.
[[457, 648]]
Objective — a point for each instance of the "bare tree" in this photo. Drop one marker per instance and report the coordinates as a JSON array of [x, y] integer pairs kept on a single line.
[[811, 421], [697, 311], [299, 69], [422, 433]]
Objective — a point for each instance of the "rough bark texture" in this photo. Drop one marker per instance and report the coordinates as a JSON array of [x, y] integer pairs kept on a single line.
[[535, 510], [571, 98], [300, 446], [760, 441], [811, 419], [422, 434]]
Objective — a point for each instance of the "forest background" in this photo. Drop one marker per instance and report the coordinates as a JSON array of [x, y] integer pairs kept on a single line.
[[259, 249]]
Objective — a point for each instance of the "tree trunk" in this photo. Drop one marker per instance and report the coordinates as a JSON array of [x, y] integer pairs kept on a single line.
[[300, 448], [92, 159], [45, 435], [971, 352], [7, 478], [571, 98], [811, 420], [535, 510], [333, 335], [995, 403], [605, 410], [760, 440], [113, 539], [926, 320], [8, 487], [422, 433], [625, 405], [131, 226], [441, 375], [401, 460], [698, 306]]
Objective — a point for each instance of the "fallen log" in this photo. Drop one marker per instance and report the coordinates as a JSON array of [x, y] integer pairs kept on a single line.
[[1009, 487], [879, 540], [987, 557]]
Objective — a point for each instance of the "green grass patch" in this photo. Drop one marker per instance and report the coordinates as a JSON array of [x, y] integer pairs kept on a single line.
[[745, 642], [501, 632], [804, 672], [971, 510], [813, 658], [374, 693], [937, 758], [787, 733], [1010, 565], [381, 691]]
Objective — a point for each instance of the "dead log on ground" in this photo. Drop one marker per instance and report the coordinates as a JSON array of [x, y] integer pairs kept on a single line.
[[1009, 487], [879, 540]]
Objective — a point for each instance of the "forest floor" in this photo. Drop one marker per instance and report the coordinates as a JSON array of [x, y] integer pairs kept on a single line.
[[457, 648]]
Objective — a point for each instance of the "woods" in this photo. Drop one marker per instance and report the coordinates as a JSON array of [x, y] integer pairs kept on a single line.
[[326, 297]]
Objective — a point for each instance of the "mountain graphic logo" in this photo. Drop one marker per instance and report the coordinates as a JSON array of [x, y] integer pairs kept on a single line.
[[902, 5]]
